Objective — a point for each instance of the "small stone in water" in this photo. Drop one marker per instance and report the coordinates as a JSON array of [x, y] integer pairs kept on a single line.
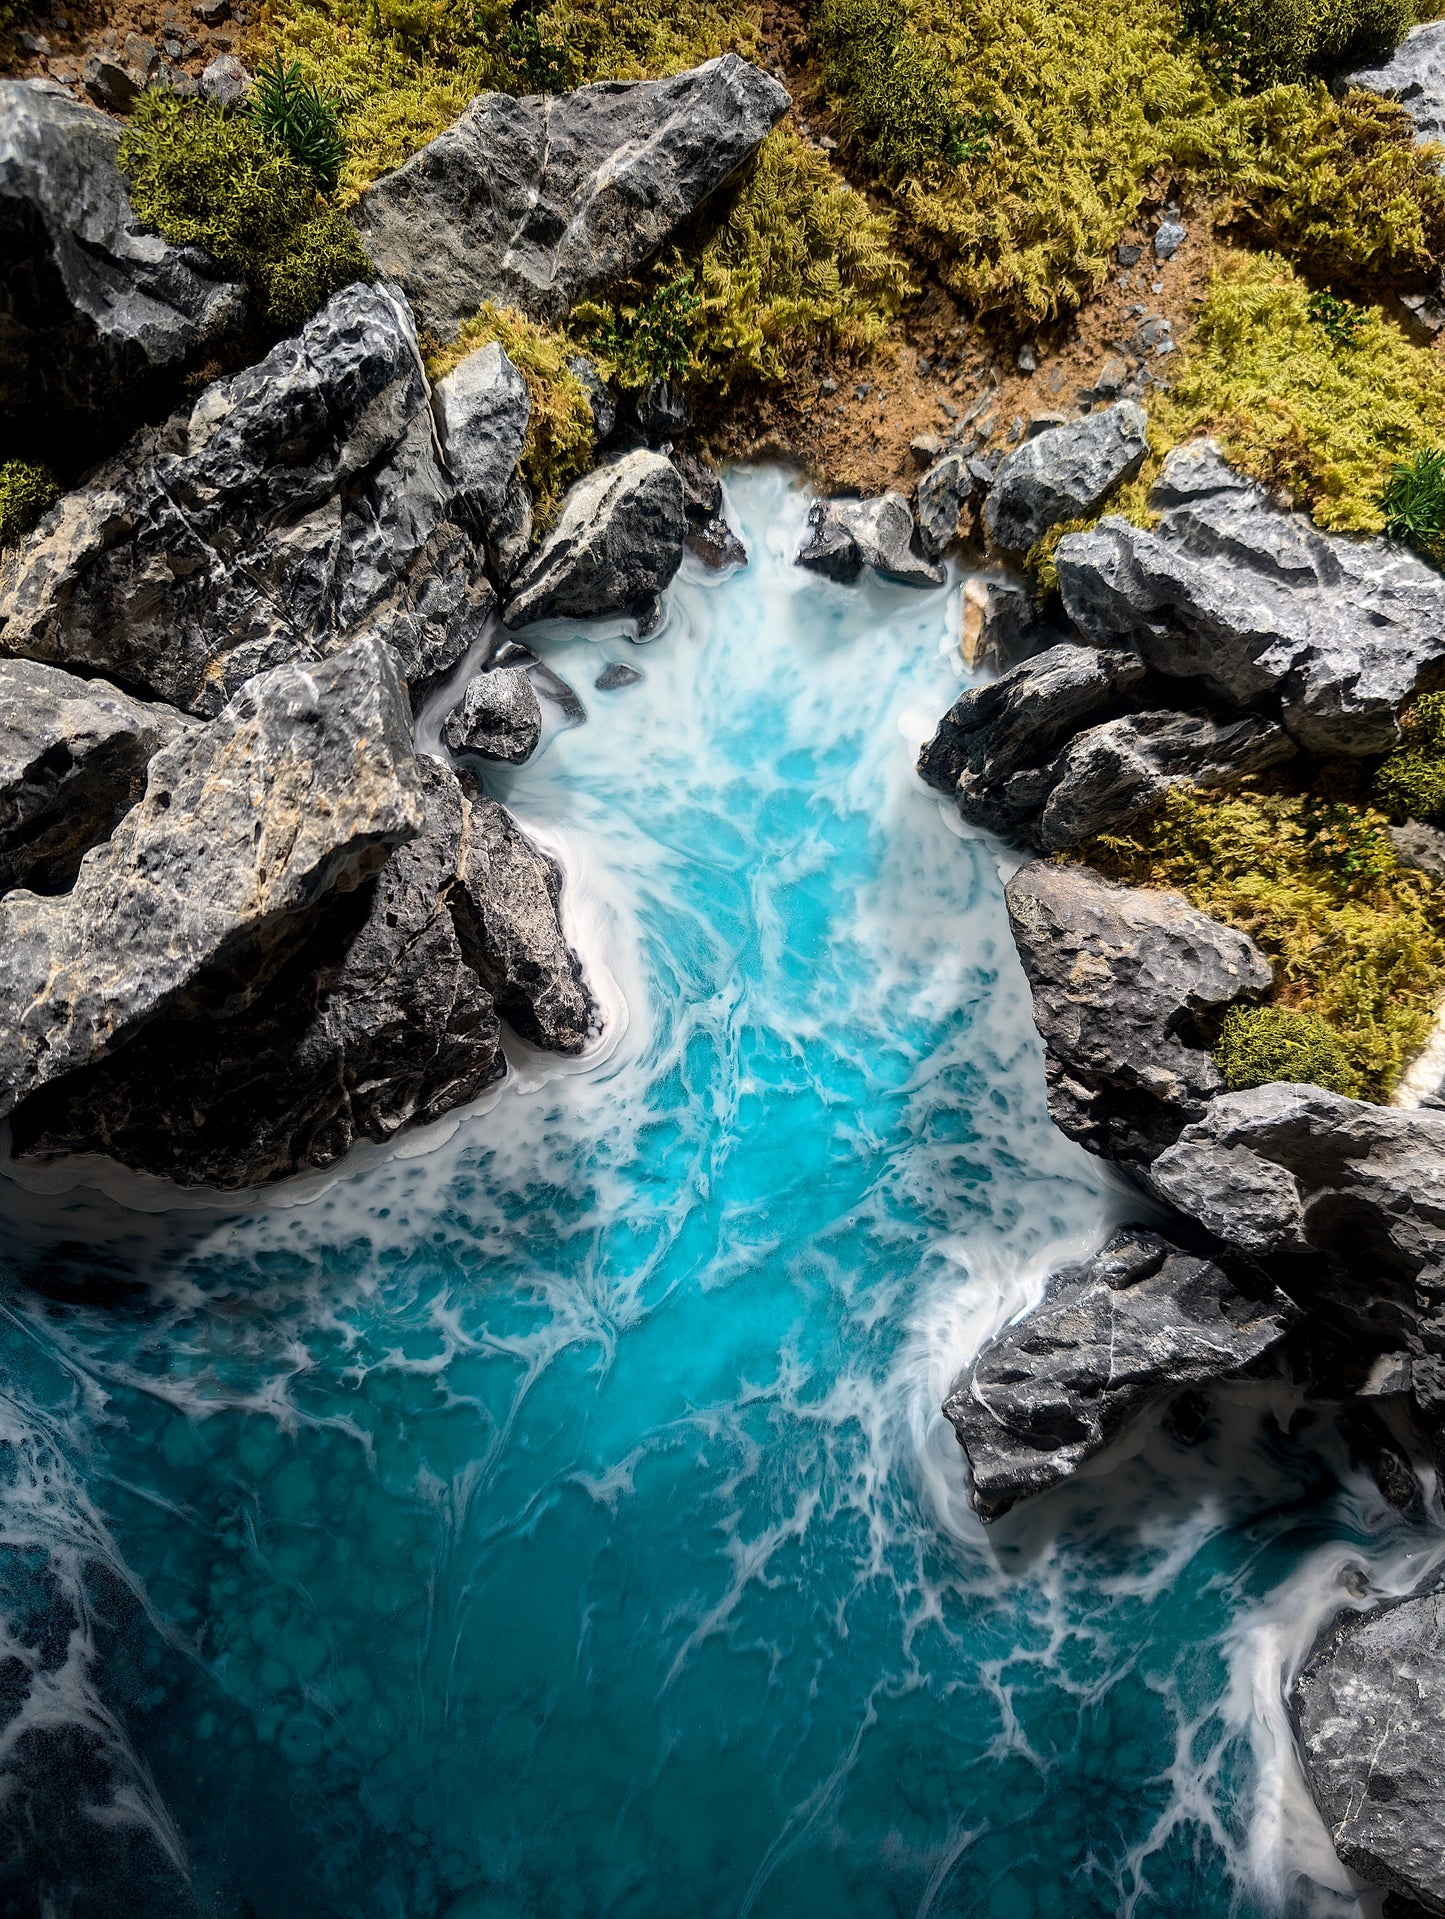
[[619, 673]]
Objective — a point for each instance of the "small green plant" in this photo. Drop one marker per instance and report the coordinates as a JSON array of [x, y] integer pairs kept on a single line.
[[26, 492], [649, 340], [1261, 1044], [539, 65], [1347, 843], [1413, 501], [1412, 781], [1340, 320], [299, 117]]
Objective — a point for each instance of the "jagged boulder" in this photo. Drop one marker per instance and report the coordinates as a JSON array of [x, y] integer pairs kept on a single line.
[[844, 536], [95, 314], [536, 202], [296, 790], [1330, 632], [73, 757], [499, 717], [708, 534], [1113, 1336], [509, 918], [1003, 624], [482, 412], [1414, 74], [1127, 985], [376, 1023], [298, 505], [616, 546], [1109, 775], [1371, 1716], [1063, 473], [943, 492]]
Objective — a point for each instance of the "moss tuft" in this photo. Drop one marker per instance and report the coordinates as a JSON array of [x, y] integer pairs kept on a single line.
[[26, 492], [559, 445], [1260, 1044], [1412, 781], [209, 179]]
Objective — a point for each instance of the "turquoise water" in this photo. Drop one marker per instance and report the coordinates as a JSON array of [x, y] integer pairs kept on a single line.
[[556, 1517]]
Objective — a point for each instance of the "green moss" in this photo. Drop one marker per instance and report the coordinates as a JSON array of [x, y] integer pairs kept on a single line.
[[559, 444], [26, 492], [204, 178], [1269, 41], [1259, 1044], [1365, 951], [1412, 781]]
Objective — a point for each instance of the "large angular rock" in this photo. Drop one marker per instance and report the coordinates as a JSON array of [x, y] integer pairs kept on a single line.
[[73, 757], [535, 202], [298, 505], [482, 411], [616, 546], [1127, 986], [1063, 473], [1113, 1336], [509, 917], [375, 1024], [1414, 74], [994, 745], [942, 493], [95, 314], [1330, 632], [844, 536], [297, 789], [1371, 1716], [1108, 776], [499, 717]]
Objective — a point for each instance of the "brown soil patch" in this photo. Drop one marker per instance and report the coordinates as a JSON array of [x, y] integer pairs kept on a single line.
[[132, 33]]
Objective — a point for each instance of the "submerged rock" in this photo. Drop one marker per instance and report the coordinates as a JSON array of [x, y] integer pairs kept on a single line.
[[95, 313], [73, 757], [1127, 986], [618, 674], [1414, 74], [844, 536], [1371, 1715], [297, 505], [296, 790], [535, 202], [498, 718], [1113, 1336], [1330, 631], [616, 546], [1064, 473]]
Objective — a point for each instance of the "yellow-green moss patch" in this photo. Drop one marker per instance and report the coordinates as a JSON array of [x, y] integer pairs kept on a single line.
[[26, 492]]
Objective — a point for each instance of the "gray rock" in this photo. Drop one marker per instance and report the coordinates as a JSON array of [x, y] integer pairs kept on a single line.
[[1422, 847], [599, 396], [709, 535], [536, 202], [225, 82], [1414, 74], [844, 536], [1127, 985], [1371, 1716], [1113, 1336], [375, 1024], [498, 718], [299, 504], [618, 674], [1331, 632], [1169, 236], [1003, 624], [663, 413], [1111, 774], [942, 493], [616, 546], [509, 533], [1426, 309], [96, 316], [1017, 721], [109, 84], [297, 789], [482, 412], [1064, 473], [509, 918], [73, 757]]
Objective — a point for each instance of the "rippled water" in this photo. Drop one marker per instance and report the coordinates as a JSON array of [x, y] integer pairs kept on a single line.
[[556, 1518]]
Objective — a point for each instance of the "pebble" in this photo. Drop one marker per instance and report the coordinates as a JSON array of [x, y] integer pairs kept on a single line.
[[1168, 239], [1028, 360], [1130, 255]]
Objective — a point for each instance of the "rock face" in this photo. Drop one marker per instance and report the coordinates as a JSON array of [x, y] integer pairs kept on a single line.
[[499, 717], [298, 788], [73, 756], [1329, 632], [942, 494], [1415, 75], [1106, 777], [1127, 985], [1113, 1336], [94, 313], [1371, 1716], [708, 534], [535, 202], [298, 505], [1063, 473], [616, 546], [377, 1022], [844, 536], [482, 412], [1002, 624]]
